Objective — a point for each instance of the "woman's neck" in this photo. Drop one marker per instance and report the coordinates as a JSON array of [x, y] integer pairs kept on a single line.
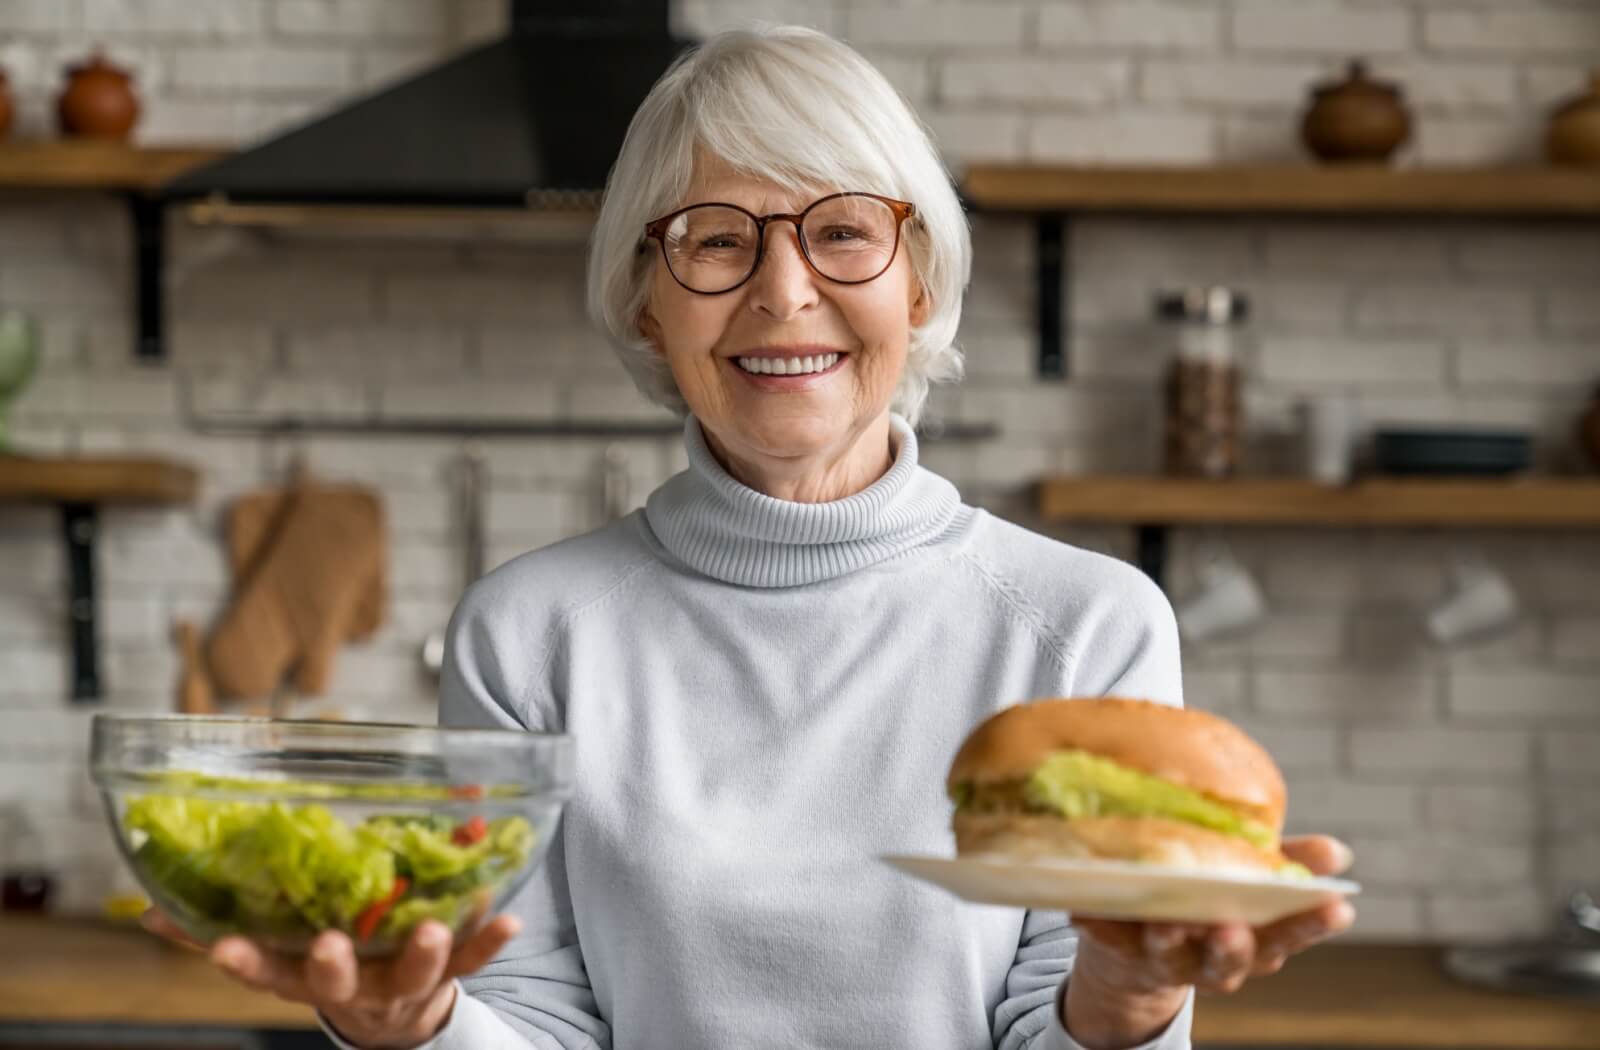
[[822, 478]]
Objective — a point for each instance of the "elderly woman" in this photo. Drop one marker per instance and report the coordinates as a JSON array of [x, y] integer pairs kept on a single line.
[[768, 669]]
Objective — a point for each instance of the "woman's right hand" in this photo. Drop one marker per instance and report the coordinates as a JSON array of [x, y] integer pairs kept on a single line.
[[389, 1004]]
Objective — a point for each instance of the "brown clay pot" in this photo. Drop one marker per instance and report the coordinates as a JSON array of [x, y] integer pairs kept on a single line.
[[98, 101], [1355, 119], [7, 110], [1573, 136], [1589, 430]]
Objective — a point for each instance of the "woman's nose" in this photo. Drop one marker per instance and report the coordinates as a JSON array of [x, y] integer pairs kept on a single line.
[[784, 283]]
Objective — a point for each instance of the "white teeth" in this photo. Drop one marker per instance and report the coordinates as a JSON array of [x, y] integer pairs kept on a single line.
[[788, 366]]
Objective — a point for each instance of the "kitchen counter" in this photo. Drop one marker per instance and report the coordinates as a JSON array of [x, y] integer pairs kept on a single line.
[[72, 971], [1352, 995], [60, 971]]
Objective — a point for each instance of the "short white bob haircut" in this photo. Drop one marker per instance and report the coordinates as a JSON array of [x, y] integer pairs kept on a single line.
[[807, 112]]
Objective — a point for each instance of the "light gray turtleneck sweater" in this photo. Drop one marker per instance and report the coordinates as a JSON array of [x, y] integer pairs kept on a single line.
[[765, 696]]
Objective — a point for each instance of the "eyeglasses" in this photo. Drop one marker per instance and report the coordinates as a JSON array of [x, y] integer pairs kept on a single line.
[[847, 238]]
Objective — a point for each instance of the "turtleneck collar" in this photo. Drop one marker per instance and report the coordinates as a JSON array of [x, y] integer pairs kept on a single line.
[[721, 527]]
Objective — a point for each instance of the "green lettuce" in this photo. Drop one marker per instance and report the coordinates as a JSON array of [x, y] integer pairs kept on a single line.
[[1077, 784], [289, 870]]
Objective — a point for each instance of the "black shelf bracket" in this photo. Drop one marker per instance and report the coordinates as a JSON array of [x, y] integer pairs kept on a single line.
[[1055, 322], [149, 261], [79, 527], [1150, 543]]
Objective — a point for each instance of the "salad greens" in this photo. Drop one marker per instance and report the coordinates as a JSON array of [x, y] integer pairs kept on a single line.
[[188, 782], [285, 871]]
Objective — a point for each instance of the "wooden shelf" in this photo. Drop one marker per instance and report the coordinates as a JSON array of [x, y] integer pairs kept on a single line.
[[1153, 504], [85, 971], [62, 971], [26, 479], [78, 487], [95, 165], [1389, 996], [1379, 502], [1054, 195], [1352, 190], [136, 173]]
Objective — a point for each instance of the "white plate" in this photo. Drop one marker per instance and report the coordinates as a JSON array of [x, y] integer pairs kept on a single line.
[[1121, 890]]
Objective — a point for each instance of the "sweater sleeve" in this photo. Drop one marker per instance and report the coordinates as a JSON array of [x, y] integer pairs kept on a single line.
[[1125, 643], [535, 994]]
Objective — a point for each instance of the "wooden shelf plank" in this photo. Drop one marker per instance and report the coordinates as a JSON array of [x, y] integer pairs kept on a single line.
[[1379, 502], [1350, 190], [84, 971], [95, 165], [133, 978], [26, 479]]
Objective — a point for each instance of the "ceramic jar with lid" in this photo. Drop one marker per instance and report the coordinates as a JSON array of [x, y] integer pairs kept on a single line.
[[1573, 136], [98, 100], [1356, 119], [1203, 393]]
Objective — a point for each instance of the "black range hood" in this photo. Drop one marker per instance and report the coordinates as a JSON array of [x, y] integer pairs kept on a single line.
[[534, 119]]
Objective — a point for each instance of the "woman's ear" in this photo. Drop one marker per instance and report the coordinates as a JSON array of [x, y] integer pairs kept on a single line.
[[921, 306], [650, 328]]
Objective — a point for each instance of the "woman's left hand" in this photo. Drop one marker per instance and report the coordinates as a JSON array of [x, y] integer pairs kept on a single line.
[[1127, 973], [1222, 957]]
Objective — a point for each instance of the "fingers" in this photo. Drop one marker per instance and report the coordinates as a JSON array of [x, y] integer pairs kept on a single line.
[[1149, 955], [331, 973], [1299, 932], [331, 976], [475, 953], [1174, 951], [1124, 938], [1323, 854], [422, 961], [249, 965], [1230, 954]]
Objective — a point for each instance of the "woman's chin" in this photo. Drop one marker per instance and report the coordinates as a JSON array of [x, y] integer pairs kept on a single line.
[[787, 439]]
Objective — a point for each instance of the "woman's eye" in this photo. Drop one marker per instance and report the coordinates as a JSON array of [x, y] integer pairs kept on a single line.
[[842, 233], [718, 240]]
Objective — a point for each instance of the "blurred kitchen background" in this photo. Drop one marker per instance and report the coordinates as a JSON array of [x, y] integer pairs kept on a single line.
[[1463, 765]]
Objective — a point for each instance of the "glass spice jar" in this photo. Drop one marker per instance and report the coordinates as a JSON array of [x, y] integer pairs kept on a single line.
[[26, 880], [1204, 381]]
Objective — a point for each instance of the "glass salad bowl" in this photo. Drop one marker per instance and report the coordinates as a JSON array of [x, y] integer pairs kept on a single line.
[[277, 830]]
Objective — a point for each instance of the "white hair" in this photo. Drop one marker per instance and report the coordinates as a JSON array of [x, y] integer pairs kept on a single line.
[[798, 108]]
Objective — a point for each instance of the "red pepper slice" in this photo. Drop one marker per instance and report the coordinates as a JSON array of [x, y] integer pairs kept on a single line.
[[468, 791], [372, 914], [470, 832]]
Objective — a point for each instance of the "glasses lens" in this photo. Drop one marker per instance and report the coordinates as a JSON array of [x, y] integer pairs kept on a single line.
[[851, 238], [711, 248]]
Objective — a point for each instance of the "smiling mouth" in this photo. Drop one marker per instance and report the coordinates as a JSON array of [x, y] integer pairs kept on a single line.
[[812, 364]]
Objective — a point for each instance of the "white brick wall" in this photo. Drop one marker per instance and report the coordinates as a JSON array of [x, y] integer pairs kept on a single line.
[[1573, 31], [1268, 82], [361, 19], [213, 18], [1132, 24], [1039, 81], [259, 70], [1123, 137], [1400, 750], [36, 15], [1444, 769], [964, 25], [1328, 26]]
